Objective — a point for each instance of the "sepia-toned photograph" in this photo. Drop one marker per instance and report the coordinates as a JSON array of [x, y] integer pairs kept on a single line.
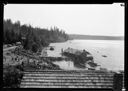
[[64, 46]]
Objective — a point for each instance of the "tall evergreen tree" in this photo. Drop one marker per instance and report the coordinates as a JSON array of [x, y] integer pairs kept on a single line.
[[35, 37]]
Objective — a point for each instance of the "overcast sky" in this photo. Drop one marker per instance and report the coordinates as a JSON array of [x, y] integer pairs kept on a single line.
[[88, 19]]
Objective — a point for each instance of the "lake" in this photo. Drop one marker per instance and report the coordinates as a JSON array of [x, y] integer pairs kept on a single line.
[[113, 49]]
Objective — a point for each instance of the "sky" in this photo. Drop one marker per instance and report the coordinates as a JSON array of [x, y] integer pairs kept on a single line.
[[86, 19]]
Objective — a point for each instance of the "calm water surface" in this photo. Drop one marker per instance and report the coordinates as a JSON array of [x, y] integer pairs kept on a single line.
[[114, 50]]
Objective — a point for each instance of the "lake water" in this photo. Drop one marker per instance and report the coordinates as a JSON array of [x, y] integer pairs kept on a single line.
[[114, 50]]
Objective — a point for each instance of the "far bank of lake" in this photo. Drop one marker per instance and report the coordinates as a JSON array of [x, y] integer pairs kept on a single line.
[[107, 53]]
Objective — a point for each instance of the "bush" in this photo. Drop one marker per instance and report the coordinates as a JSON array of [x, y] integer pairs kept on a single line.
[[34, 48], [12, 77]]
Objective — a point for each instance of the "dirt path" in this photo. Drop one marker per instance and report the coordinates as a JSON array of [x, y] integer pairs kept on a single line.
[[6, 49]]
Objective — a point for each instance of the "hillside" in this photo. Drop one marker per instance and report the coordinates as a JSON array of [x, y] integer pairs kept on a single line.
[[35, 37], [95, 37]]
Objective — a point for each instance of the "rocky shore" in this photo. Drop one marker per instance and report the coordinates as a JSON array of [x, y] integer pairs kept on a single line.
[[81, 58]]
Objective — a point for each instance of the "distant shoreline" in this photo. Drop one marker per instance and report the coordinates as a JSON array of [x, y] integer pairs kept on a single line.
[[94, 37], [100, 39]]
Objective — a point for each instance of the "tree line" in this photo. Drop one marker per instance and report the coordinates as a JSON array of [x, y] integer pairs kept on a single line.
[[35, 38]]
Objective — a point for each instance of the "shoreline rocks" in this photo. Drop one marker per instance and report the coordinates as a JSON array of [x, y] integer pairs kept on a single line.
[[80, 58]]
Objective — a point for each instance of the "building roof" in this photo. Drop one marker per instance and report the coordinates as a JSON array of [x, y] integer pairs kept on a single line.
[[67, 79]]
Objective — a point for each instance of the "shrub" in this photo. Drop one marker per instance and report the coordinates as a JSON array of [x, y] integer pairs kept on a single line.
[[12, 77]]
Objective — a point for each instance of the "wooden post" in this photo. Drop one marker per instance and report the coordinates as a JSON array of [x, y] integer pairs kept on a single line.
[[118, 82]]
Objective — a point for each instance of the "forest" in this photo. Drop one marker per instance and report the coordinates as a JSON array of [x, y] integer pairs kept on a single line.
[[35, 37]]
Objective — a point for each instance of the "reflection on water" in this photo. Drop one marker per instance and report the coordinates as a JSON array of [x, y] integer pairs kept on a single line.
[[114, 50]]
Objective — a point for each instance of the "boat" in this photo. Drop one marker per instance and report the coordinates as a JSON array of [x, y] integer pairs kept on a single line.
[[51, 48], [104, 56]]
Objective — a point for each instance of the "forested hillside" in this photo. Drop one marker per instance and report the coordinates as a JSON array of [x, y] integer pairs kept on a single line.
[[35, 37]]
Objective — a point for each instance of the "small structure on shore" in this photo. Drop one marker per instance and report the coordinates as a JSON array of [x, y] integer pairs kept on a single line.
[[18, 43], [5, 46], [23, 39], [9, 45]]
